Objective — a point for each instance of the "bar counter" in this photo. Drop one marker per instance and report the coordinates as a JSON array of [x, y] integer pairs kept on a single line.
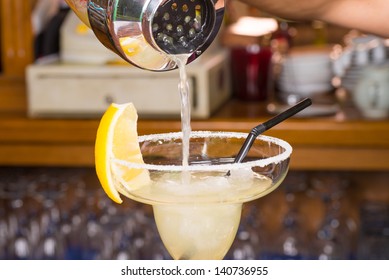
[[343, 141]]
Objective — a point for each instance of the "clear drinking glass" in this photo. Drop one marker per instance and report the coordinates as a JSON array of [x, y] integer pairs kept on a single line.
[[291, 243], [333, 237], [15, 232], [197, 207]]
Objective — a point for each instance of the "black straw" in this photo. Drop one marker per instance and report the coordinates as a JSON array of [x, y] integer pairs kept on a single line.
[[256, 131]]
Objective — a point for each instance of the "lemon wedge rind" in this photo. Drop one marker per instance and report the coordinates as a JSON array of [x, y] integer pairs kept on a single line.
[[117, 138]]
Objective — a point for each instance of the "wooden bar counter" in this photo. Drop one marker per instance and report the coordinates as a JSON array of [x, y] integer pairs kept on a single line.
[[322, 143]]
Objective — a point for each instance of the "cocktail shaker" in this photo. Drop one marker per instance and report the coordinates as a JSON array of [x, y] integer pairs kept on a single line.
[[146, 33]]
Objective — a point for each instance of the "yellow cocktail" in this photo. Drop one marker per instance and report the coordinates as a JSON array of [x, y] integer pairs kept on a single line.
[[197, 208]]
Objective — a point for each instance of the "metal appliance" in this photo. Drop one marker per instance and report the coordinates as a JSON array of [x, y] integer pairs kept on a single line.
[[85, 90], [144, 32]]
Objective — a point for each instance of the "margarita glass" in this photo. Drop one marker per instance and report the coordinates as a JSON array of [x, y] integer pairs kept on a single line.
[[197, 206]]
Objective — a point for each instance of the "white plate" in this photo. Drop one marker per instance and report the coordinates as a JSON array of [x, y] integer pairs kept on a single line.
[[305, 89], [308, 79], [314, 110], [307, 75]]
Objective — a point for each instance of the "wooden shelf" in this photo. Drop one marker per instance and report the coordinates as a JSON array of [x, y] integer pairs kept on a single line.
[[332, 143]]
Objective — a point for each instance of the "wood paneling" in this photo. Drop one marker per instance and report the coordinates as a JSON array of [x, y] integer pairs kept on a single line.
[[16, 37]]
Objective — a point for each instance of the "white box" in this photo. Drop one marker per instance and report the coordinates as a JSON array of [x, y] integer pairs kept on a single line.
[[73, 91]]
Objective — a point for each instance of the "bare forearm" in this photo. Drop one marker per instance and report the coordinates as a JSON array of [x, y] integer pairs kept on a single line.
[[290, 9], [371, 16], [367, 15]]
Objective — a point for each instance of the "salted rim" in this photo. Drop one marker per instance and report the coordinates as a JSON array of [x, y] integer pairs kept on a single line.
[[205, 167]]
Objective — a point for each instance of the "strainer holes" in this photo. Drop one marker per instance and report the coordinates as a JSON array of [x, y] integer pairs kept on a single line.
[[161, 36], [166, 16], [155, 27], [185, 8], [198, 19], [183, 41], [174, 7], [187, 19], [192, 33], [165, 39], [180, 30], [169, 27], [169, 40]]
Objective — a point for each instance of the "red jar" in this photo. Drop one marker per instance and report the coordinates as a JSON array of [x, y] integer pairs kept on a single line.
[[251, 72]]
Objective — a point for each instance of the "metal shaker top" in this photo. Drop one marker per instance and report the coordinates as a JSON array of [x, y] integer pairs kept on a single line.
[[145, 32]]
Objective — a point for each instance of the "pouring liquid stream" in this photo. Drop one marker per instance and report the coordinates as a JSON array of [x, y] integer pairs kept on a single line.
[[183, 88]]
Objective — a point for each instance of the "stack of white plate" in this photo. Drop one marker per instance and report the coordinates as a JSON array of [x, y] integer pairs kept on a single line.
[[361, 52], [351, 77], [306, 72]]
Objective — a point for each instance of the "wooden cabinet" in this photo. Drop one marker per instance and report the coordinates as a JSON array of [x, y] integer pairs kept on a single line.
[[16, 37], [16, 53]]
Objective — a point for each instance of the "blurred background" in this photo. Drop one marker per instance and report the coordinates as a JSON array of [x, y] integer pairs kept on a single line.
[[56, 80]]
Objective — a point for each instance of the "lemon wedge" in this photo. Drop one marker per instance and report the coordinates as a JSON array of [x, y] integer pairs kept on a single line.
[[117, 138]]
